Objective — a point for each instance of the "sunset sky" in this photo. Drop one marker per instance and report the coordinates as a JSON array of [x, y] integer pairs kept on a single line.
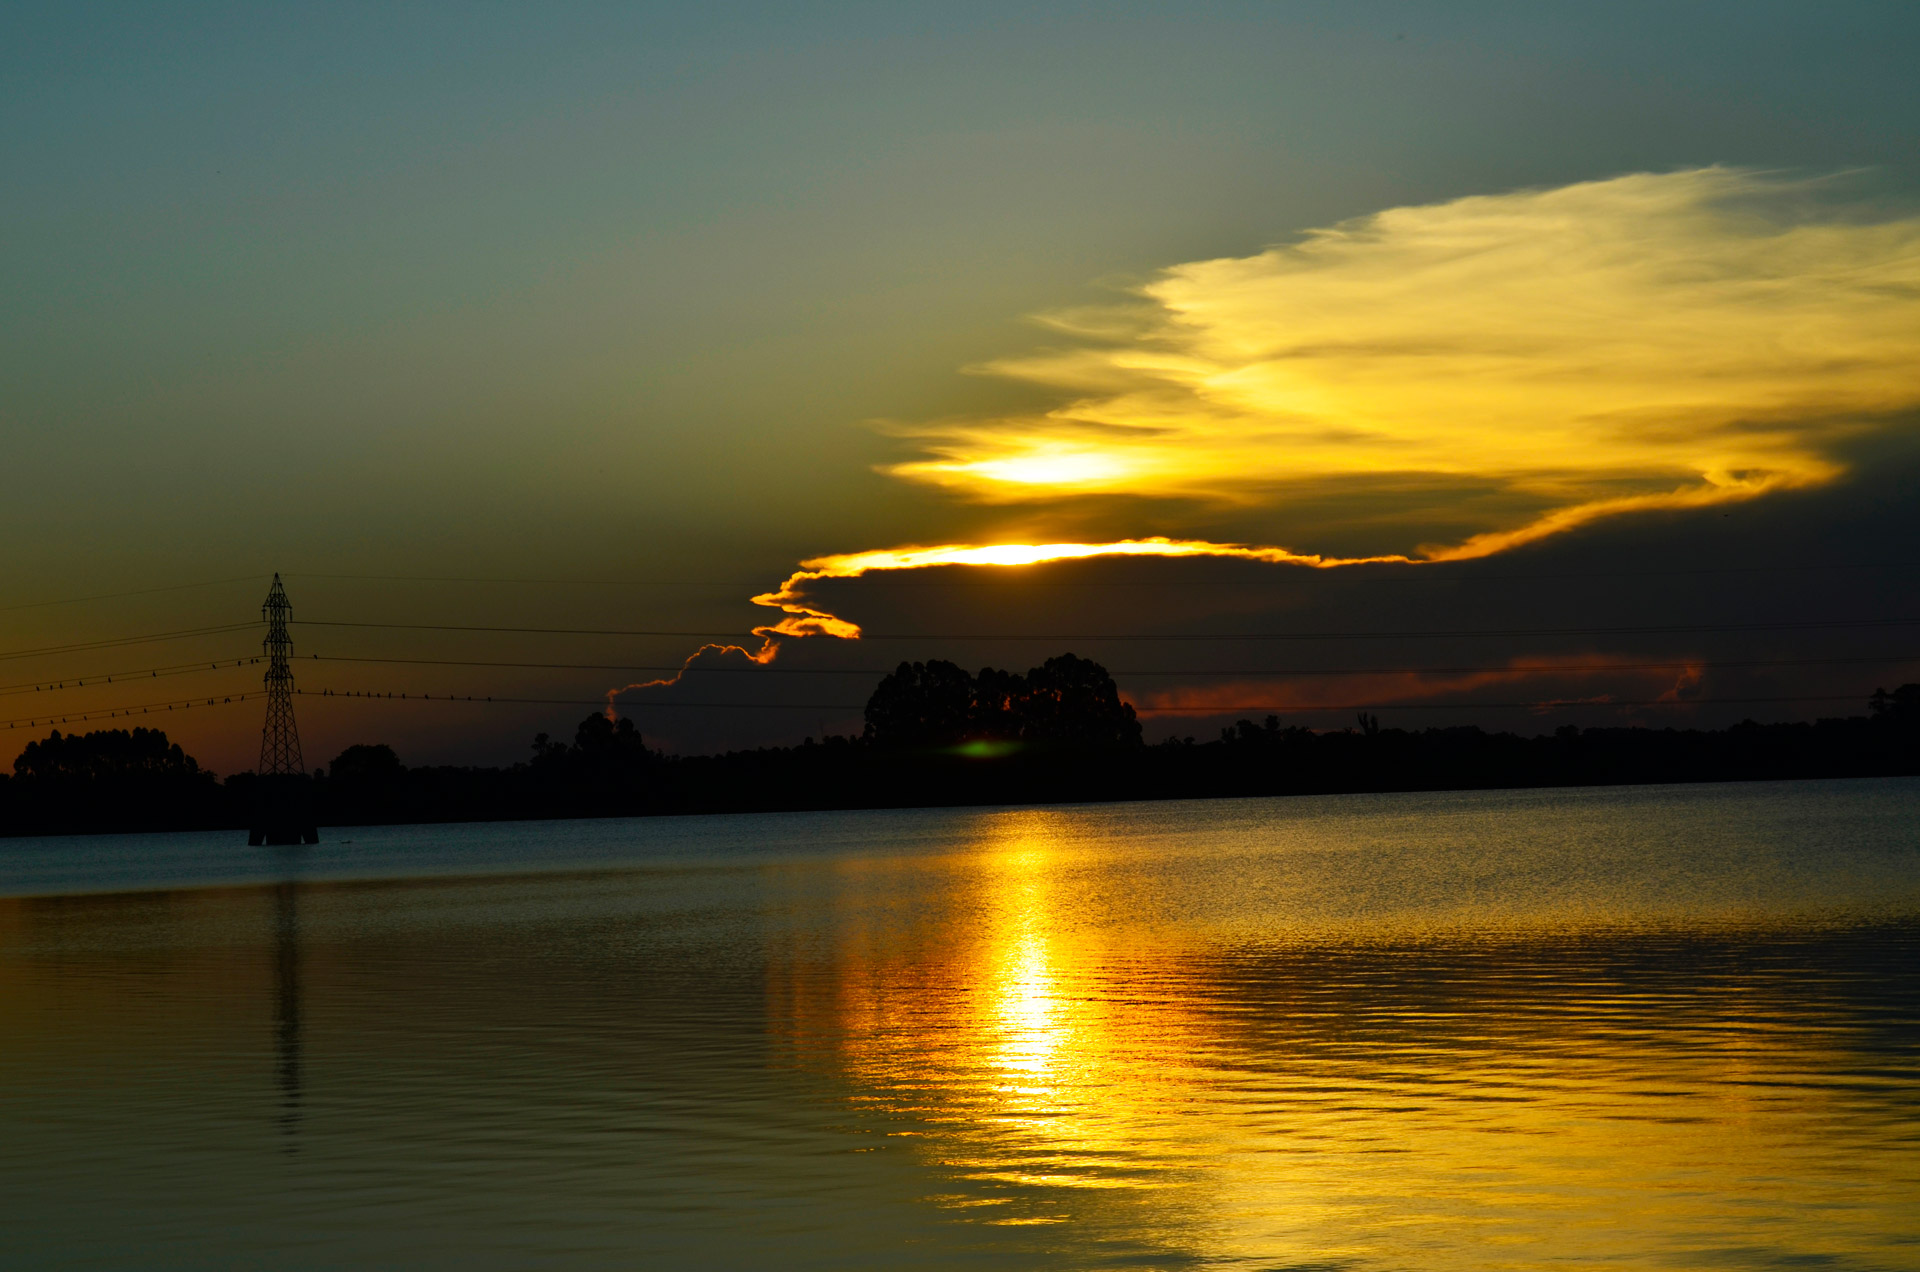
[[1516, 365]]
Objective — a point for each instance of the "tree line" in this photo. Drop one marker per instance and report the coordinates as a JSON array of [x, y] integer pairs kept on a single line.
[[936, 734]]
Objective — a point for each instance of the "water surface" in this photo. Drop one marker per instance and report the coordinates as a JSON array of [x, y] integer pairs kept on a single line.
[[1640, 1027]]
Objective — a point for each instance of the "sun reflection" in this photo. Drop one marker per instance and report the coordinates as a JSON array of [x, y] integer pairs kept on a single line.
[[1028, 1080], [1030, 1029], [1030, 1020], [1031, 1038]]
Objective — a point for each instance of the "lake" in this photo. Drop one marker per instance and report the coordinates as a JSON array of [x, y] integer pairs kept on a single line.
[[1653, 1027]]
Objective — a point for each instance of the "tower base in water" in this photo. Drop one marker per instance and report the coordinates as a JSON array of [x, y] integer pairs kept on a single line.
[[282, 812], [278, 835]]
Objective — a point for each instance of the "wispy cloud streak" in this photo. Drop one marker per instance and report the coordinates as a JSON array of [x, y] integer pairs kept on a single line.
[[1222, 698], [803, 620]]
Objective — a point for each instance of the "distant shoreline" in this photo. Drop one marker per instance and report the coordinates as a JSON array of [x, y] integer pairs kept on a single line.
[[842, 774]]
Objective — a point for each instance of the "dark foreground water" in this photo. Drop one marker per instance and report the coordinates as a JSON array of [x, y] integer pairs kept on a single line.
[[1631, 1028]]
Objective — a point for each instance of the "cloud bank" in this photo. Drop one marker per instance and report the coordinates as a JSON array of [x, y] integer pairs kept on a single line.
[[1649, 341], [1517, 364]]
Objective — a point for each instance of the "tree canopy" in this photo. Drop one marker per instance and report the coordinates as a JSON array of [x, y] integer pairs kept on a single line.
[[105, 755], [1066, 701]]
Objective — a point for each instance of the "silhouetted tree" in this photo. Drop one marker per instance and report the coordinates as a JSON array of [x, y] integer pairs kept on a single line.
[[609, 755], [1901, 707], [547, 753], [921, 704], [1267, 734], [997, 705], [366, 764], [598, 736], [110, 779], [1073, 700], [604, 769], [364, 784], [107, 755], [1065, 701]]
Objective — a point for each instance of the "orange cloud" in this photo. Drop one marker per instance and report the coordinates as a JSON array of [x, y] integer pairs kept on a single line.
[[1400, 686], [765, 654]]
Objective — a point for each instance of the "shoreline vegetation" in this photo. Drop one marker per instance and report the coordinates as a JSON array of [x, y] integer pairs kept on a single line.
[[936, 736]]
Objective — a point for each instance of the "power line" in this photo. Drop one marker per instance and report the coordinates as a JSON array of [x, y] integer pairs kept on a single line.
[[129, 640], [141, 709], [96, 679], [114, 596], [109, 677], [184, 704], [524, 631], [760, 669], [1463, 633]]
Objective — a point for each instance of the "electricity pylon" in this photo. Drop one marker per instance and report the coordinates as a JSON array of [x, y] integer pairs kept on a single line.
[[283, 813], [279, 737]]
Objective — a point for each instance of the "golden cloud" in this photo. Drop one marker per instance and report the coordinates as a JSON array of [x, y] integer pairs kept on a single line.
[[803, 620], [1649, 341]]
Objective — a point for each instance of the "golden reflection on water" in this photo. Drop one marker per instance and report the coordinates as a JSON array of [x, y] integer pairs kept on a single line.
[[1414, 1101], [986, 1033]]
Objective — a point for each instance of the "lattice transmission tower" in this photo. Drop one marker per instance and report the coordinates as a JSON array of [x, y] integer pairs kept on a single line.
[[283, 815], [280, 736]]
